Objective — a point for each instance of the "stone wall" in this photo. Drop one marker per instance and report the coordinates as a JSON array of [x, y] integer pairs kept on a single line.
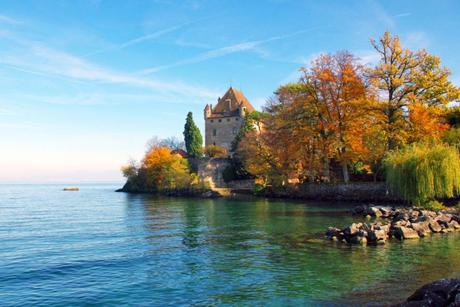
[[225, 130], [355, 191], [210, 171], [247, 184]]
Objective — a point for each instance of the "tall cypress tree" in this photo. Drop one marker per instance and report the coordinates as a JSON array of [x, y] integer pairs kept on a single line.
[[192, 137]]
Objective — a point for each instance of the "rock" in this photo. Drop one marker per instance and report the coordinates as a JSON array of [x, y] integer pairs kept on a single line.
[[422, 228], [454, 225], [400, 216], [377, 236], [374, 211], [332, 232], [439, 293], [386, 211], [359, 238], [403, 233], [352, 229], [435, 227], [454, 294], [444, 217], [443, 223], [433, 299], [422, 218], [71, 189]]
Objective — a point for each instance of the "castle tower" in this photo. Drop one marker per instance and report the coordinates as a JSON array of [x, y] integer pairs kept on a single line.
[[223, 122]]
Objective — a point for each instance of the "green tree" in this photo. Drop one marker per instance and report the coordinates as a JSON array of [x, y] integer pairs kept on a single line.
[[192, 137]]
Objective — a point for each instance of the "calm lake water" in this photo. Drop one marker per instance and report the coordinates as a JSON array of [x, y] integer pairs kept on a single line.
[[97, 247]]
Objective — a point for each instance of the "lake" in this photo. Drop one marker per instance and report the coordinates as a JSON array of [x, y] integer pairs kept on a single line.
[[98, 247]]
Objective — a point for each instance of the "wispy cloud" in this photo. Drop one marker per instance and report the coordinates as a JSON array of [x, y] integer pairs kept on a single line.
[[402, 15], [9, 20], [103, 98], [417, 39], [140, 39], [219, 52], [39, 59], [368, 57]]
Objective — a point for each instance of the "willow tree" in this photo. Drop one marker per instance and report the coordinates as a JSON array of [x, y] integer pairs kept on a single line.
[[422, 172], [404, 77]]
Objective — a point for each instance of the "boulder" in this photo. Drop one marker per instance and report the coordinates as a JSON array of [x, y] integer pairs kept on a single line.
[[352, 229], [400, 216], [439, 293], [435, 227], [374, 211], [386, 211], [454, 225], [333, 232], [403, 233], [377, 236], [446, 217], [444, 224], [422, 228]]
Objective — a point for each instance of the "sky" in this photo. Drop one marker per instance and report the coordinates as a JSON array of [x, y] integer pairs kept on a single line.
[[85, 84]]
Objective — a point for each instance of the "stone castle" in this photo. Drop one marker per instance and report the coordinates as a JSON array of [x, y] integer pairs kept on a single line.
[[223, 122]]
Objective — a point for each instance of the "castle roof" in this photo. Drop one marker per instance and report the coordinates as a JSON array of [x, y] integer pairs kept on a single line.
[[230, 104]]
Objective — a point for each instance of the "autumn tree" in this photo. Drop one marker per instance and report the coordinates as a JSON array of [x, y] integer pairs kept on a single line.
[[165, 170], [403, 78], [323, 114], [192, 137], [252, 146]]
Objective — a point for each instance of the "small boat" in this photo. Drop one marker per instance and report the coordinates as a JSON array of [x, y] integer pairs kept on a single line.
[[71, 189]]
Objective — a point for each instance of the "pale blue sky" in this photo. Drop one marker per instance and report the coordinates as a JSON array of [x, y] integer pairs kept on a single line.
[[84, 84]]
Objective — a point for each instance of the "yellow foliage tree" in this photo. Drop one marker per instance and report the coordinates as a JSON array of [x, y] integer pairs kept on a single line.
[[403, 78], [165, 170]]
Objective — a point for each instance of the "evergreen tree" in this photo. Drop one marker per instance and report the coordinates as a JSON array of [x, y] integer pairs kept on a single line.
[[192, 137]]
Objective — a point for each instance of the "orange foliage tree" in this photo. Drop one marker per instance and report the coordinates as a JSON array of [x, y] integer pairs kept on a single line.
[[165, 170]]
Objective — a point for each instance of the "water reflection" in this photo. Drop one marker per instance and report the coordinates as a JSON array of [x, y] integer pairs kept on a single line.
[[261, 251]]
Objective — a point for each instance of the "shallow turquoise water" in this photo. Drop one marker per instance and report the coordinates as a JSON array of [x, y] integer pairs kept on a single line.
[[97, 247]]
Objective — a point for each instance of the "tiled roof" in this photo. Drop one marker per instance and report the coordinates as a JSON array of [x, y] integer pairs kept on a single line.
[[238, 100]]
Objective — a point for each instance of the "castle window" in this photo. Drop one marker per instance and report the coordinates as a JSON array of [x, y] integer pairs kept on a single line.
[[228, 119], [212, 120], [214, 132], [237, 119], [220, 120]]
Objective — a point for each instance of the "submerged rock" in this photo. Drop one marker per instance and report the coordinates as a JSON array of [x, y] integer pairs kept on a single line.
[[444, 292]]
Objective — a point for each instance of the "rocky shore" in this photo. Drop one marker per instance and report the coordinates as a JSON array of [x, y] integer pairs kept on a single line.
[[398, 223], [444, 292]]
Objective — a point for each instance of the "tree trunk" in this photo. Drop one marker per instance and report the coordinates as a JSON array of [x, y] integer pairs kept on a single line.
[[326, 172], [346, 177]]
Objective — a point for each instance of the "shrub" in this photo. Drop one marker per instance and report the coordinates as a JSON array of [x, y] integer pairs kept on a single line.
[[433, 205], [452, 137], [214, 151], [420, 173]]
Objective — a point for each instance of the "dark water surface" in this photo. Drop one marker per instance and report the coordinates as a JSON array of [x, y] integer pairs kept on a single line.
[[97, 247]]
